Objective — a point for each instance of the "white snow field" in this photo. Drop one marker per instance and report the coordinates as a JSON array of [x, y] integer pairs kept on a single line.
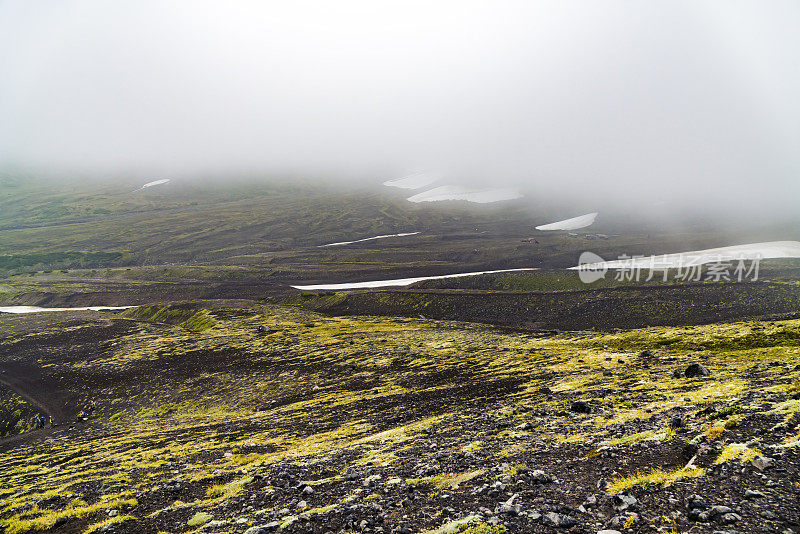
[[151, 184], [455, 192], [751, 251], [36, 309], [367, 239], [582, 221], [400, 281], [414, 181]]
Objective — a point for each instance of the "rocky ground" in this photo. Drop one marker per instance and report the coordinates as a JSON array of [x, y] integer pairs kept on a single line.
[[208, 423]]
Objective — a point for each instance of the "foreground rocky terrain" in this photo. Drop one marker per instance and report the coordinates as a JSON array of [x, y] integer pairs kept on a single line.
[[243, 418]]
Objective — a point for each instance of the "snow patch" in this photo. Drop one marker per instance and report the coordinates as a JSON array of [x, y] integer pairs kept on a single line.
[[414, 181], [582, 221], [400, 281], [151, 184], [35, 309], [455, 192], [367, 239]]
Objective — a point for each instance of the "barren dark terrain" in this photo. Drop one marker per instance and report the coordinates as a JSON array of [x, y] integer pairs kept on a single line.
[[398, 425]]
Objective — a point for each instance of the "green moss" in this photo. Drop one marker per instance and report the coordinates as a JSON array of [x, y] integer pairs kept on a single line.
[[95, 527], [193, 320], [485, 529], [737, 451], [653, 478], [198, 519], [725, 412]]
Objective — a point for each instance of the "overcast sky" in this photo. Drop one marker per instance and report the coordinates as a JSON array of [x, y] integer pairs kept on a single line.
[[688, 99]]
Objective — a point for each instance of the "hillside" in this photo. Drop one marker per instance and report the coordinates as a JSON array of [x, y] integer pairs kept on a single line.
[[367, 424]]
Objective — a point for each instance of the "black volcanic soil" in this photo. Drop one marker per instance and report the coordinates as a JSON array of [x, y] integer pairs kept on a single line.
[[602, 309], [527, 457]]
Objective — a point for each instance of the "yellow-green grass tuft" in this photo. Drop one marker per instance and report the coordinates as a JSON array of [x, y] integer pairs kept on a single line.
[[654, 478]]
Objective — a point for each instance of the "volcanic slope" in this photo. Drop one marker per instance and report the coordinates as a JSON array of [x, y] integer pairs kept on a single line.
[[366, 424]]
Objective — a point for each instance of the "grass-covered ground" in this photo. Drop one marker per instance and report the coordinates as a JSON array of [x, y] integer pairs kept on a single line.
[[328, 424]]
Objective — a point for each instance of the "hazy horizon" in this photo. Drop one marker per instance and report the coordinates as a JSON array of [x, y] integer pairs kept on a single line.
[[691, 103]]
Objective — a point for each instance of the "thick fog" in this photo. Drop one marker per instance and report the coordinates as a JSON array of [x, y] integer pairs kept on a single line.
[[686, 101]]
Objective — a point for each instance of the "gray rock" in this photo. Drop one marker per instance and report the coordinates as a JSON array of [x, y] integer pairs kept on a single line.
[[622, 502], [696, 502], [769, 514], [308, 490], [763, 462], [172, 486], [695, 370], [719, 510], [263, 529], [509, 509], [731, 518], [567, 521], [609, 532], [697, 515], [753, 494], [539, 477], [561, 521]]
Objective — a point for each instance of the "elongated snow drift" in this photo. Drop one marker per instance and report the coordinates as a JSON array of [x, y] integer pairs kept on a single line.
[[36, 309], [399, 281], [582, 221], [367, 239], [151, 184], [751, 251]]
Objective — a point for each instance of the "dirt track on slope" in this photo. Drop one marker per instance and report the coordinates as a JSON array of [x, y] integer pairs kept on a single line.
[[43, 393]]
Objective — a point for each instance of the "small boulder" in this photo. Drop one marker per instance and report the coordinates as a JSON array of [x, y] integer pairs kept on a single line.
[[695, 370], [622, 502], [559, 520], [580, 407], [263, 329], [763, 462], [730, 518], [696, 502], [537, 476], [719, 510]]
